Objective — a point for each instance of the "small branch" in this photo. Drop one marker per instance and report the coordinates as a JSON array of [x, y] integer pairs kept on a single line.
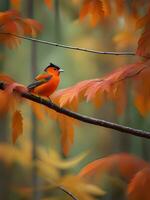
[[67, 192], [83, 118], [113, 53]]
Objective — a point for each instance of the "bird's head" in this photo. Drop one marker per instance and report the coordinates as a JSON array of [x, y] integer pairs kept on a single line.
[[53, 69]]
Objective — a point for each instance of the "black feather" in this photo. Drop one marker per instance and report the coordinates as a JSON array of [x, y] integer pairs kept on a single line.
[[38, 83], [52, 65]]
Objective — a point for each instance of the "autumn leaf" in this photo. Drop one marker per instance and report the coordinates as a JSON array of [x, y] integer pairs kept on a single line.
[[17, 125], [139, 187], [66, 123], [52, 157], [7, 99], [80, 188], [31, 27], [144, 42], [48, 3], [124, 164], [94, 8], [67, 132], [50, 163], [98, 10], [38, 110], [11, 24], [111, 87]]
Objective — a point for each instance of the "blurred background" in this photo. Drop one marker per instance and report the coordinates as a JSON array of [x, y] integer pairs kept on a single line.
[[61, 24]]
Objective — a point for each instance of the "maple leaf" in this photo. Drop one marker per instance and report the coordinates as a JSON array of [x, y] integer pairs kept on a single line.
[[139, 187], [17, 125], [111, 87], [95, 9], [48, 3], [100, 9], [11, 23], [124, 164]]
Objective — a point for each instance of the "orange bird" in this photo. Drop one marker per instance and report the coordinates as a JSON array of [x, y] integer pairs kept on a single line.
[[46, 83]]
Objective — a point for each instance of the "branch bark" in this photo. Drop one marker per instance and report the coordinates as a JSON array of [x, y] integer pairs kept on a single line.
[[83, 118], [113, 53]]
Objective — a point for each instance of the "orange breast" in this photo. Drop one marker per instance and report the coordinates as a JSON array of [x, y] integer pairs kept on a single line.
[[48, 88]]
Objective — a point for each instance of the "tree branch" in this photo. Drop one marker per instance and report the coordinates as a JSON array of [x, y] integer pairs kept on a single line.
[[83, 118], [67, 192], [113, 53]]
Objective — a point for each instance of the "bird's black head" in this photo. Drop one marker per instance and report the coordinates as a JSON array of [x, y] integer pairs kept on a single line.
[[55, 67]]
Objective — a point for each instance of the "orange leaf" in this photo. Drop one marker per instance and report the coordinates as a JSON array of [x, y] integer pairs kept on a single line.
[[17, 125], [31, 27], [38, 110], [144, 42], [111, 87], [139, 187], [94, 8], [48, 3], [12, 23], [5, 100], [67, 132], [127, 166]]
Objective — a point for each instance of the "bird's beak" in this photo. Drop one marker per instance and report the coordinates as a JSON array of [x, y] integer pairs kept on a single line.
[[61, 70]]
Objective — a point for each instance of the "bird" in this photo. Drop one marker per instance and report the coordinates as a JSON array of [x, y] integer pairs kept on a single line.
[[46, 83]]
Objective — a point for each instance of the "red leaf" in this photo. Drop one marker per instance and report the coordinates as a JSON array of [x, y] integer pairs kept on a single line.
[[138, 189], [127, 166], [12, 23], [95, 9], [17, 125], [111, 87]]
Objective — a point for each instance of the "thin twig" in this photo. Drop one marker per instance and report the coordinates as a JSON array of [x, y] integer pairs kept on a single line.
[[113, 53], [67, 192], [83, 118]]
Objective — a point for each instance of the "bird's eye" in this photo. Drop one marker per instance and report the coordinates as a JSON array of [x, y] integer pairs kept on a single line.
[[55, 69]]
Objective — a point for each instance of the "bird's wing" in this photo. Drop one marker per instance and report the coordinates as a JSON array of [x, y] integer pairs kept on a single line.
[[40, 81], [42, 76]]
